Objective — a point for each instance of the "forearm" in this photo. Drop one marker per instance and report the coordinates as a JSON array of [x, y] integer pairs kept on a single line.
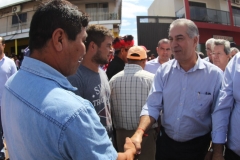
[[146, 122], [218, 149]]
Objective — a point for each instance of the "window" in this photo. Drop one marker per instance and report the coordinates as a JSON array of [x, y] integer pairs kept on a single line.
[[235, 10], [22, 18], [197, 4], [97, 11]]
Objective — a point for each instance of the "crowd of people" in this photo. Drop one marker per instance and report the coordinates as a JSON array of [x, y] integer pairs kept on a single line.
[[82, 94]]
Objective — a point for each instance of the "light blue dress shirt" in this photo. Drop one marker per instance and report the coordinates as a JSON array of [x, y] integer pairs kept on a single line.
[[43, 119], [152, 65], [186, 99], [226, 115]]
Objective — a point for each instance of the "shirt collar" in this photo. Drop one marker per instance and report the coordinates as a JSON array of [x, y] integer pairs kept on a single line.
[[42, 69], [199, 64], [134, 67]]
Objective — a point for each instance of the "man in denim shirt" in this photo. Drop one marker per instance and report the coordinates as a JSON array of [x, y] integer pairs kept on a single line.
[[42, 118]]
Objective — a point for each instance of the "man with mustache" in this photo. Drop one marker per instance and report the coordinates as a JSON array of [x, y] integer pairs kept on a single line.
[[42, 118]]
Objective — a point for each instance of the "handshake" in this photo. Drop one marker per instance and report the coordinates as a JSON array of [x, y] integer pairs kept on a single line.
[[132, 146]]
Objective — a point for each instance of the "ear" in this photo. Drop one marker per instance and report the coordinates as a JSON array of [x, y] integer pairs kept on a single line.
[[195, 40], [92, 46], [59, 37], [122, 50], [157, 49]]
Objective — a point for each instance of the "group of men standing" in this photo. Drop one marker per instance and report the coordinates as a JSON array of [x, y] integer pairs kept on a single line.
[[51, 118]]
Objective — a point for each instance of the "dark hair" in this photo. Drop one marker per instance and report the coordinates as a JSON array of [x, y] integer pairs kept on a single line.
[[116, 52], [97, 34], [52, 15], [3, 40]]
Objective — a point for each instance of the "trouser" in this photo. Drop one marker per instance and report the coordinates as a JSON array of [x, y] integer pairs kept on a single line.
[[230, 155], [148, 146], [169, 149], [1, 132]]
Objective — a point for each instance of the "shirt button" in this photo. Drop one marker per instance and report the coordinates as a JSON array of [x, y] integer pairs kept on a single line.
[[183, 88], [178, 119]]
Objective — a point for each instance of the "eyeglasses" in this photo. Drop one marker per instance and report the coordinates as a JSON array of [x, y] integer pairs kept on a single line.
[[217, 54]]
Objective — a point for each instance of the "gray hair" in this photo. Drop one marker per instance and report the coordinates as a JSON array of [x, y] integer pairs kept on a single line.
[[210, 41], [165, 40], [234, 49], [226, 45], [192, 30]]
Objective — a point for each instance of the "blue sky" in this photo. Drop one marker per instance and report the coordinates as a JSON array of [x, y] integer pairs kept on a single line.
[[131, 9]]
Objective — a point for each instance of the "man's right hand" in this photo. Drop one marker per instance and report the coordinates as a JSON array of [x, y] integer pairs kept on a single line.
[[137, 140]]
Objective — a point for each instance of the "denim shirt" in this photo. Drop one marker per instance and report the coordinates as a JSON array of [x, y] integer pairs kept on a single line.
[[42, 119]]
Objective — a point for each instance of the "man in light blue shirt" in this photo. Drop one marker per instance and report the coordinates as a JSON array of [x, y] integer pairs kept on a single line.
[[7, 69], [185, 90], [164, 54], [226, 115], [42, 118]]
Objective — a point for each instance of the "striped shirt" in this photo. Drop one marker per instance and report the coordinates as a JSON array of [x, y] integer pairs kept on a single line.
[[129, 91]]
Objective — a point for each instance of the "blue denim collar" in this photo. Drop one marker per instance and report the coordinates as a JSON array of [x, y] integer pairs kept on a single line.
[[41, 69]]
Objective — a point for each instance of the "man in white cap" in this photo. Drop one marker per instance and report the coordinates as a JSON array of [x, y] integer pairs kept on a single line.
[[129, 91]]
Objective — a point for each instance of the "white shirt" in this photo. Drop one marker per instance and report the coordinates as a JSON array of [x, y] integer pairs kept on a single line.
[[7, 68]]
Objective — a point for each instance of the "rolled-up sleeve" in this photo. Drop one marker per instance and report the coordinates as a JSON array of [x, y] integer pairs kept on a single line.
[[224, 104]]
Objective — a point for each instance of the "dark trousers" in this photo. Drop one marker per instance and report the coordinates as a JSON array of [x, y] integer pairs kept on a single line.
[[230, 155], [169, 149]]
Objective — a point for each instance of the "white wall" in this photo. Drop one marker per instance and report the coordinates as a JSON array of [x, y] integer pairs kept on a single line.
[[162, 8]]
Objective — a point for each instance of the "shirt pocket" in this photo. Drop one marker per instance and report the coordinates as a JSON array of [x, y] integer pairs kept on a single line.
[[202, 104]]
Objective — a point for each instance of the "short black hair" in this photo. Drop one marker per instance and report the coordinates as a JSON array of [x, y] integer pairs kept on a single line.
[[97, 33], [52, 15]]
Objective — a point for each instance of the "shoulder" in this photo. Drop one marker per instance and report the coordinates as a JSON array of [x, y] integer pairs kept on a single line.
[[116, 76], [145, 74], [152, 62], [9, 61], [67, 104], [211, 68], [78, 77]]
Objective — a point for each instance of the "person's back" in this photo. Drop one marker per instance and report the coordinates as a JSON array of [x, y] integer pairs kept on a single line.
[[121, 46], [47, 120], [49, 115], [129, 91]]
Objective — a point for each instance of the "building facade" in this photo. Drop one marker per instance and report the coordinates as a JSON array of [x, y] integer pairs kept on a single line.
[[15, 19], [214, 18]]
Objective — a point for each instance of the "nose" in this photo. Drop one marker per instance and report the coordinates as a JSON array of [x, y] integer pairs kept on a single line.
[[112, 50], [173, 44]]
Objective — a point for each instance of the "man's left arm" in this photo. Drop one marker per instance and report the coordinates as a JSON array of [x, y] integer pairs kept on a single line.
[[221, 113]]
